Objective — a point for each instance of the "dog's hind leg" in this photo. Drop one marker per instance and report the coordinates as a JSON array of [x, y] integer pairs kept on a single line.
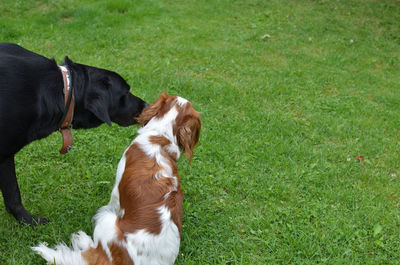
[[11, 193]]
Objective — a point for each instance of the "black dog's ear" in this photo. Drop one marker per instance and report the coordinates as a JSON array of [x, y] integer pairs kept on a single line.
[[67, 61], [97, 104], [97, 101]]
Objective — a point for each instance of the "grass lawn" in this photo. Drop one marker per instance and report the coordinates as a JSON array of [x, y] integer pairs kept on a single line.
[[291, 94]]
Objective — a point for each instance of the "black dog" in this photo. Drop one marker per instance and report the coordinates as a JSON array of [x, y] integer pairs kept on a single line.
[[32, 107]]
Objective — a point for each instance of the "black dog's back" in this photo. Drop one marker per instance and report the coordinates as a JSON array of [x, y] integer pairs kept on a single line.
[[14, 57], [19, 65], [16, 50]]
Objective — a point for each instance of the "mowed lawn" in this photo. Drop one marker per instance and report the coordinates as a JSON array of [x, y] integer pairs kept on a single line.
[[298, 161]]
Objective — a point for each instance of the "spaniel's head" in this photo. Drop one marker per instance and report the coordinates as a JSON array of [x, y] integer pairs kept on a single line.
[[184, 119]]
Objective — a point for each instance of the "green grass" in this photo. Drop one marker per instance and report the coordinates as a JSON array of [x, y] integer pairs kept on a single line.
[[290, 93]]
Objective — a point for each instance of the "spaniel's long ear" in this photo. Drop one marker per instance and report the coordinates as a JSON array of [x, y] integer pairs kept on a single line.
[[188, 135], [152, 111]]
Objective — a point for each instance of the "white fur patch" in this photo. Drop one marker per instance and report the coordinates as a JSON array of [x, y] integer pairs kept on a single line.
[[114, 205], [146, 248], [105, 230], [181, 101], [159, 127], [81, 241]]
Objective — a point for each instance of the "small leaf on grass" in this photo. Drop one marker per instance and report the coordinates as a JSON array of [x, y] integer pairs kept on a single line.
[[377, 229], [265, 36], [103, 182]]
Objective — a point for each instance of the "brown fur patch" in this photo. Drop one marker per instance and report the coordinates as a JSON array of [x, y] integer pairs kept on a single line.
[[137, 195], [141, 194], [174, 205], [119, 255], [96, 256], [159, 140]]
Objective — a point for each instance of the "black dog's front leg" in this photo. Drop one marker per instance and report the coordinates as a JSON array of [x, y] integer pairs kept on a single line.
[[11, 194]]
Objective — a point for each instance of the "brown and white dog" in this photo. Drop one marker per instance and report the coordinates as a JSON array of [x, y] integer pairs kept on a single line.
[[143, 220]]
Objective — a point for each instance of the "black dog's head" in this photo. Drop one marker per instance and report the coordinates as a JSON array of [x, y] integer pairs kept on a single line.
[[102, 96]]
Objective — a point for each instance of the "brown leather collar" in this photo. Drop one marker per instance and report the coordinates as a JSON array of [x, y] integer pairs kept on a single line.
[[66, 125]]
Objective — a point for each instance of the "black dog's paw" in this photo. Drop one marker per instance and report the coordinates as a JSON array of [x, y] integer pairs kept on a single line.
[[32, 220], [24, 217], [39, 220]]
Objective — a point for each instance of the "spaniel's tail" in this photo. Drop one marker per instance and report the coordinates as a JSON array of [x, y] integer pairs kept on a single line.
[[62, 254]]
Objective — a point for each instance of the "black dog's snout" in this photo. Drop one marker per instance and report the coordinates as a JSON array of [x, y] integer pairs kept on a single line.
[[146, 104]]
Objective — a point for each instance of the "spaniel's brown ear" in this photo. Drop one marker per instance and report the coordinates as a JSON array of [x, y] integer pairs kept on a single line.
[[152, 111], [188, 135]]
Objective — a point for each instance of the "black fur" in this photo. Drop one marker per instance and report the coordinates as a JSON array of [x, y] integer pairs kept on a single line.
[[32, 106]]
